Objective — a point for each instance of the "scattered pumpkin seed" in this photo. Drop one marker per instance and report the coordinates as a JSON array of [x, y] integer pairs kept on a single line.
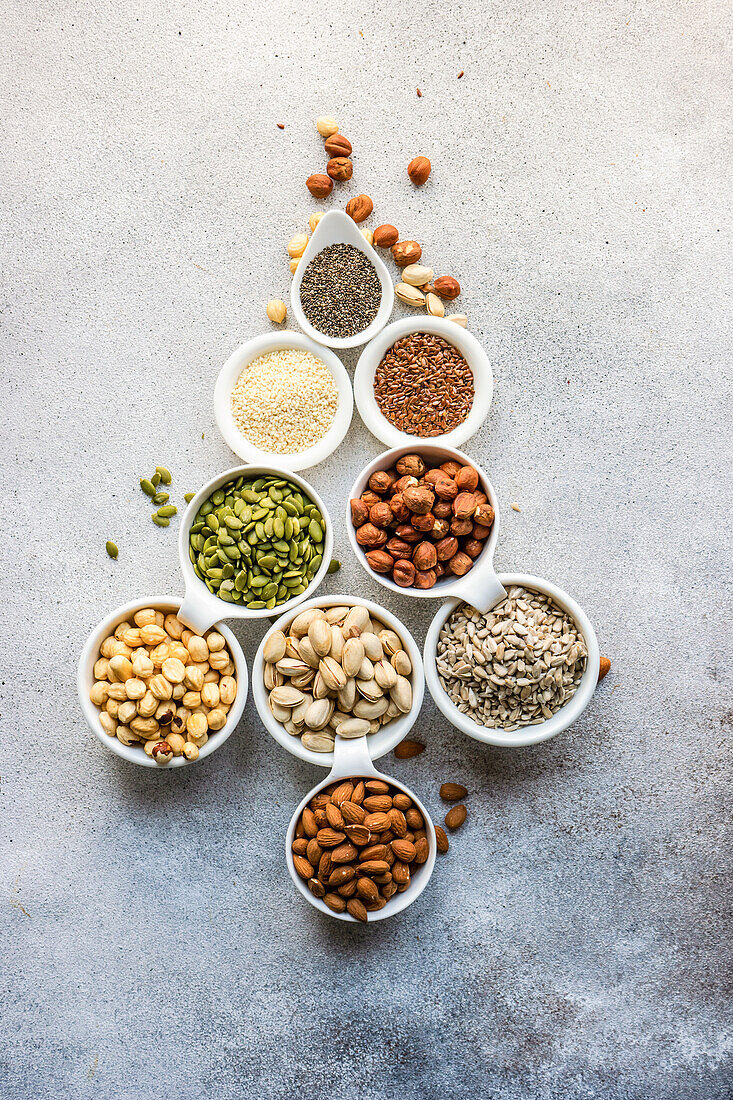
[[165, 475], [147, 486], [111, 549], [188, 497], [334, 566], [167, 510], [156, 479], [161, 498], [161, 521]]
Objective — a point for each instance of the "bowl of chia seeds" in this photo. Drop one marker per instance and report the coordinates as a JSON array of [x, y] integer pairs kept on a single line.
[[342, 293]]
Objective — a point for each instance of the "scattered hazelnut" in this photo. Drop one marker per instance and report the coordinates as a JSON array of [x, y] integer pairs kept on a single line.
[[604, 668], [447, 287], [326, 126], [319, 185], [337, 146], [359, 208], [385, 236], [340, 168], [418, 170], [406, 252], [276, 310]]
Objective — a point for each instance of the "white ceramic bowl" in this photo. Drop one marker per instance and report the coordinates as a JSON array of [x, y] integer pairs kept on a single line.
[[85, 679], [479, 586], [337, 228], [352, 759], [378, 743], [372, 355], [229, 374], [201, 608], [528, 735]]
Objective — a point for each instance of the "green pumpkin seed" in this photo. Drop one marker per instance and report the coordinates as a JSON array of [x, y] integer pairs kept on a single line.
[[165, 475], [161, 498], [334, 566], [111, 549], [188, 497], [160, 521], [147, 486], [156, 479], [167, 510]]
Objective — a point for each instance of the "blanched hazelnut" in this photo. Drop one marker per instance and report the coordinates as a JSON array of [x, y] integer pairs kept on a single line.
[[162, 753]]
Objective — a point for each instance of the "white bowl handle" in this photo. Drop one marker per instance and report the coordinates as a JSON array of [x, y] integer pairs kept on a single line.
[[200, 610], [480, 588], [351, 757]]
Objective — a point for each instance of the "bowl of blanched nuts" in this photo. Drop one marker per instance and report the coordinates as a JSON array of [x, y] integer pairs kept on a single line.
[[337, 665], [422, 519], [156, 693]]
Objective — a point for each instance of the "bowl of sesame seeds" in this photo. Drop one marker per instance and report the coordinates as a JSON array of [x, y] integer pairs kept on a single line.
[[281, 398], [423, 378]]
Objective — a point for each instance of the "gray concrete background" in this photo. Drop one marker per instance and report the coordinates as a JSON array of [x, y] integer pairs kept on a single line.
[[573, 942]]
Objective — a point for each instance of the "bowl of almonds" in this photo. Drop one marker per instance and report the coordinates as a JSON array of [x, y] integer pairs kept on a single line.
[[360, 846], [338, 665]]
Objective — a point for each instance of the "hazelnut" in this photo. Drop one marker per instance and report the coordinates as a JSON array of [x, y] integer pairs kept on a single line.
[[451, 468], [314, 219], [442, 509], [371, 536], [380, 514], [191, 751], [404, 573], [400, 511], [480, 532], [319, 186], [464, 505], [359, 208], [326, 126], [461, 527], [404, 482], [276, 310], [484, 515], [340, 168], [162, 752], [418, 498], [446, 548], [385, 236], [447, 287], [433, 476], [399, 548], [425, 556], [418, 170], [473, 547], [439, 570], [459, 564], [425, 578], [380, 561], [359, 512], [446, 488], [408, 533], [467, 478], [369, 497], [411, 464], [380, 481], [337, 146], [406, 252], [424, 522], [481, 498], [440, 530]]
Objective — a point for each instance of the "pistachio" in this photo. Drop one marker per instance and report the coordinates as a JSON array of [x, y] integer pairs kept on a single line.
[[410, 295]]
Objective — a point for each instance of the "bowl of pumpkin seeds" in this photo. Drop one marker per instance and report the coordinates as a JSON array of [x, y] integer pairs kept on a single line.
[[255, 541]]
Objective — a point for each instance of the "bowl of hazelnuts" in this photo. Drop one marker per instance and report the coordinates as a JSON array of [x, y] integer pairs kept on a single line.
[[423, 521]]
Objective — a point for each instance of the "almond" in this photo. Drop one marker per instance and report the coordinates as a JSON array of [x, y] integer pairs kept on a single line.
[[422, 850], [325, 866], [309, 823], [374, 851], [336, 903], [344, 853], [455, 817], [401, 801], [358, 834], [404, 850], [373, 867], [441, 839], [397, 822], [373, 906], [359, 792], [378, 802], [347, 889], [377, 786], [366, 889], [340, 875], [316, 888], [342, 793], [400, 873], [334, 816], [303, 867], [413, 818], [300, 846], [329, 838], [605, 668], [352, 813], [376, 822], [452, 792], [356, 909]]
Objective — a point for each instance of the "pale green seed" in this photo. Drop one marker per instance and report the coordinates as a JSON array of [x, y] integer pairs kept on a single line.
[[111, 549], [155, 479], [334, 566], [147, 486], [161, 498], [188, 497], [167, 510], [165, 475], [161, 521]]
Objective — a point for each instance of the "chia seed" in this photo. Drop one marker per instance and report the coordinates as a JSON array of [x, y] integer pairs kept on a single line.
[[340, 291]]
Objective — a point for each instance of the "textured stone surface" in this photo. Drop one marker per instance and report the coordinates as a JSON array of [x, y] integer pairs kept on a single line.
[[572, 944]]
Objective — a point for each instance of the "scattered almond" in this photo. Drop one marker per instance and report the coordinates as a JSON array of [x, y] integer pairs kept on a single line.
[[453, 792], [441, 839], [407, 749], [456, 816]]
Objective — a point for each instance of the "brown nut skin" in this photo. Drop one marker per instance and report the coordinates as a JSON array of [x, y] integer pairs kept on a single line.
[[381, 481], [480, 532], [441, 529], [370, 536], [406, 252], [442, 509], [446, 488], [451, 467], [400, 511], [407, 481], [425, 578], [481, 497], [410, 464], [385, 236], [419, 498], [461, 527], [369, 497], [404, 573], [340, 168], [484, 516], [439, 570], [319, 186], [425, 556], [359, 512], [467, 479], [359, 208], [424, 522], [459, 564], [337, 146], [447, 287], [380, 561], [408, 533], [380, 514], [398, 548], [418, 170], [446, 548], [473, 547], [162, 752], [464, 505]]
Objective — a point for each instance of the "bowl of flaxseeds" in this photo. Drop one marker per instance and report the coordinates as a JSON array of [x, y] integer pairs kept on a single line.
[[342, 293], [423, 379]]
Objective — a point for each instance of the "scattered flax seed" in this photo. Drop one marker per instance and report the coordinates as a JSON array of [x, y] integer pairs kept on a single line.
[[419, 93], [281, 125], [516, 507], [460, 74]]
